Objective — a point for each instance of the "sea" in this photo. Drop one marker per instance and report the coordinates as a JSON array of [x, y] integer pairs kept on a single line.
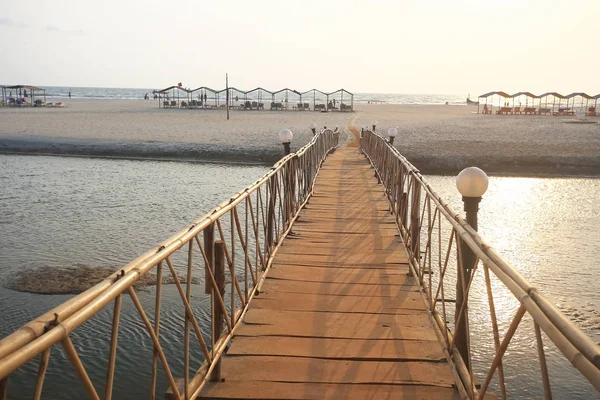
[[62, 92], [66, 211]]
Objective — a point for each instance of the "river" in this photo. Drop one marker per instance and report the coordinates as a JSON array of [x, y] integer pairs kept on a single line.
[[64, 211]]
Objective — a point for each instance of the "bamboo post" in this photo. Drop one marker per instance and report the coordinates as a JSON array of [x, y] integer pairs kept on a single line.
[[271, 215], [415, 231], [157, 303], [41, 374], [112, 358], [217, 314], [79, 369], [404, 209], [209, 240], [4, 388]]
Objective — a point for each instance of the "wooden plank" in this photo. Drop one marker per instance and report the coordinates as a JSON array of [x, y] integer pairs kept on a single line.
[[339, 349], [335, 320], [343, 331], [338, 289], [347, 304], [299, 391], [347, 258], [315, 370], [391, 276]]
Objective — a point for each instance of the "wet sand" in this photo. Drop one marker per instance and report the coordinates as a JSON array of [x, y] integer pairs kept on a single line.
[[437, 139], [76, 279]]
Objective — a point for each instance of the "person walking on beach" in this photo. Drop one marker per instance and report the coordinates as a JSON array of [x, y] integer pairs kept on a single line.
[[69, 94]]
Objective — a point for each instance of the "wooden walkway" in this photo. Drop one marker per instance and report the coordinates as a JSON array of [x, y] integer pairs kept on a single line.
[[337, 316]]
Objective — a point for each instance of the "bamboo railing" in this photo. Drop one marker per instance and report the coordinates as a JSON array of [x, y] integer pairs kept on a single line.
[[239, 240], [434, 236]]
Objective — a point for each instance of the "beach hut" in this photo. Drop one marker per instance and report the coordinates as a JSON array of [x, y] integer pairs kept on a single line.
[[487, 109], [21, 96], [286, 99], [343, 100], [318, 98], [545, 104], [255, 98], [591, 112], [529, 103], [201, 96], [173, 97], [571, 97]]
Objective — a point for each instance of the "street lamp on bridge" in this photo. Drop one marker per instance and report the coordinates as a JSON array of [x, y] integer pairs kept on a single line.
[[392, 133], [286, 136], [472, 183]]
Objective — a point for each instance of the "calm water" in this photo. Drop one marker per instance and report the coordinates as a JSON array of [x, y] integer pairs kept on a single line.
[[138, 94], [65, 211]]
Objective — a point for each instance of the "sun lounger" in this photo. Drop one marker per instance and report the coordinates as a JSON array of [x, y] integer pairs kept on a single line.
[[173, 103], [564, 112], [345, 107], [591, 112], [544, 111], [504, 111], [529, 111]]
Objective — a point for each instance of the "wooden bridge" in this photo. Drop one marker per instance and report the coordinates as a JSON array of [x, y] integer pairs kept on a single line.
[[338, 274], [337, 316]]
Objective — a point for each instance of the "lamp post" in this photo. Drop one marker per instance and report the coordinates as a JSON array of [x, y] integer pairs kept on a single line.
[[313, 127], [286, 136], [392, 133], [472, 183], [374, 124]]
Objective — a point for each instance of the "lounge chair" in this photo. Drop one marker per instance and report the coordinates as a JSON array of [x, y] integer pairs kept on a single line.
[[345, 107], [173, 103], [529, 110], [544, 110], [306, 107], [166, 104], [183, 104], [591, 112]]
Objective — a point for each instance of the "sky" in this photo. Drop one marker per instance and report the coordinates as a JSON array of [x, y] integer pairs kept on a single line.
[[373, 46]]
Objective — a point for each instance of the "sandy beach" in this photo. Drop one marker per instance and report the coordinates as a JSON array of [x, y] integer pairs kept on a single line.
[[437, 138]]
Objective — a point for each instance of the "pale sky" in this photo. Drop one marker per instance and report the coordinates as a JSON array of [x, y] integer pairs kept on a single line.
[[420, 47]]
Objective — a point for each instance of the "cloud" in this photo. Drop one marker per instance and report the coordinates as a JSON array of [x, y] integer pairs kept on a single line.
[[9, 22]]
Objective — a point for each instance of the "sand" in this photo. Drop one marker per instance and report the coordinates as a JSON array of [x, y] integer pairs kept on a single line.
[[437, 139], [77, 279]]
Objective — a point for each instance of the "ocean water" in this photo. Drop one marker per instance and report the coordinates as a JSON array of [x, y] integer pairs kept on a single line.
[[64, 211], [138, 94]]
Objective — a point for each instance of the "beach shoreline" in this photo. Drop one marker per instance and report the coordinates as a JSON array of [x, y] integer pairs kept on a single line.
[[436, 139]]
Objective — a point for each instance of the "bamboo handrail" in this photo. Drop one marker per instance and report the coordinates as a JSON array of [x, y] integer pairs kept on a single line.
[[581, 351], [292, 178]]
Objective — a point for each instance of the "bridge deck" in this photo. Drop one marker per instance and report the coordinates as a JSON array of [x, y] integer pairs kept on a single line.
[[338, 317]]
